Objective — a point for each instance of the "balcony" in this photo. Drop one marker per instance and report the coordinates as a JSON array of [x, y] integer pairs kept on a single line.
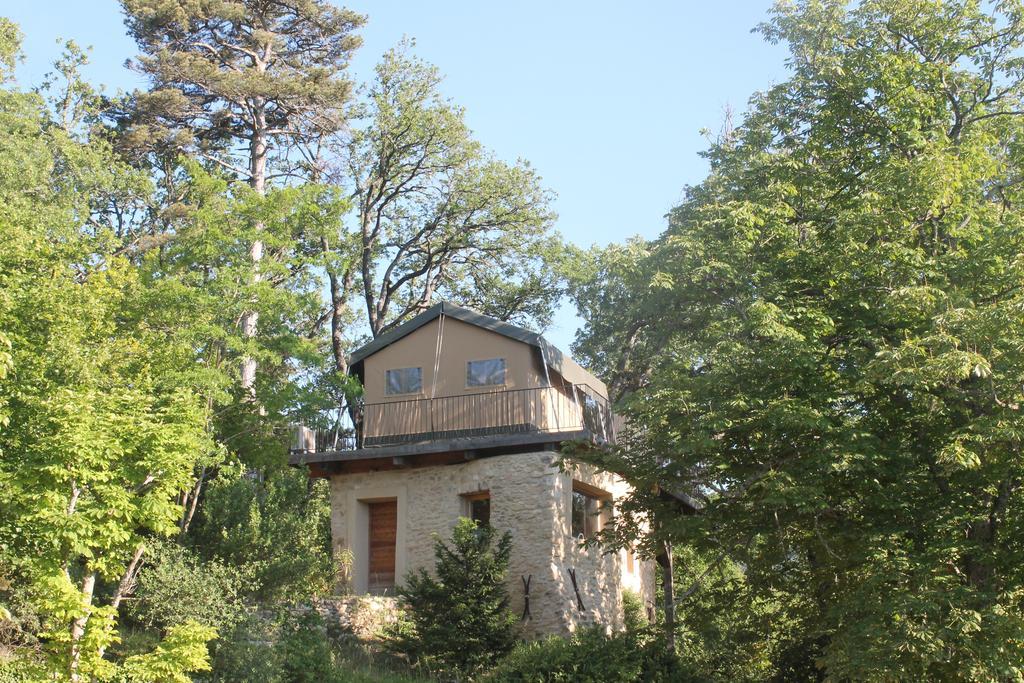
[[540, 414]]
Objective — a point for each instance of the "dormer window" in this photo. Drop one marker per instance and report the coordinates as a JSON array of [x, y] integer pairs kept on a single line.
[[403, 381], [485, 373]]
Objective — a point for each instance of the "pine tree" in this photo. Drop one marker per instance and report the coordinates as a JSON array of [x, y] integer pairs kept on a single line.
[[249, 86], [460, 621]]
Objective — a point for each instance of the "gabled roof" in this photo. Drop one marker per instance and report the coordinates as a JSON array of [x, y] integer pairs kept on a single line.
[[551, 355]]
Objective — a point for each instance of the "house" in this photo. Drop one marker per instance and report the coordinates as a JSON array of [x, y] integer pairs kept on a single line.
[[464, 415]]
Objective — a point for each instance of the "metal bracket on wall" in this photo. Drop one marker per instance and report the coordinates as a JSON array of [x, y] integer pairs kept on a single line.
[[526, 595], [576, 588]]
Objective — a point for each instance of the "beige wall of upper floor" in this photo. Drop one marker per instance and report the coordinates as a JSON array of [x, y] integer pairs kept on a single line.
[[459, 343]]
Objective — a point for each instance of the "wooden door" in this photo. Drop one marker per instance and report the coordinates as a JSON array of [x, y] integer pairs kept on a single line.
[[383, 533]]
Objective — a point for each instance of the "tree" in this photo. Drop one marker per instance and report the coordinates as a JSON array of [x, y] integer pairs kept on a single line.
[[437, 216], [611, 289], [203, 275], [103, 441], [459, 622], [243, 84], [836, 368], [275, 529]]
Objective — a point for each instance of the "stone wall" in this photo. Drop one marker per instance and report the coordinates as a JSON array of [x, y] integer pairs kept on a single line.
[[600, 576], [362, 616], [531, 498]]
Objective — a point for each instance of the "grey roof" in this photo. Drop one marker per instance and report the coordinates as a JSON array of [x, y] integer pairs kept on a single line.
[[558, 361]]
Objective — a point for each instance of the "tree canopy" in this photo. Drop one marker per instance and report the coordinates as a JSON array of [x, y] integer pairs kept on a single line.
[[825, 344], [170, 263], [98, 439]]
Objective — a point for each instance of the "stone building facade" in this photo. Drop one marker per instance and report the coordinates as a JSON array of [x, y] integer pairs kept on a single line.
[[532, 499], [487, 452]]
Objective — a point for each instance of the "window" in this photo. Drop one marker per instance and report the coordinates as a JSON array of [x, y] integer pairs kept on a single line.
[[485, 373], [478, 507], [403, 381], [588, 510]]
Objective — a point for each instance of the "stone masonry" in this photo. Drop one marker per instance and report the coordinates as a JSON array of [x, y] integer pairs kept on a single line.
[[531, 498]]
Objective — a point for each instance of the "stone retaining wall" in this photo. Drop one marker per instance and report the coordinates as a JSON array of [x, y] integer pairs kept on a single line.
[[362, 616]]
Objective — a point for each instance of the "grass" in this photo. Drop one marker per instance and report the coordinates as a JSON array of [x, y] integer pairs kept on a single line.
[[364, 663]]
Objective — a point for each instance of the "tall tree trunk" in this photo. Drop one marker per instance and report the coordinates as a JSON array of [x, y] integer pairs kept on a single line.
[[258, 182], [125, 586], [78, 625], [366, 264], [668, 588], [339, 289]]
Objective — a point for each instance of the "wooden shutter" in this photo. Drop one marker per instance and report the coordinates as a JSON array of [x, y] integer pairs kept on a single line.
[[383, 533]]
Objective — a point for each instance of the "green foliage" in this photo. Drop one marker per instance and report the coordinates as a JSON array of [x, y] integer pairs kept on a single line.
[[590, 656], [824, 348], [459, 622], [275, 531], [633, 611], [175, 587], [13, 669], [105, 443], [183, 650], [289, 647], [10, 47], [476, 231], [247, 653], [305, 650], [204, 275], [295, 646], [726, 631]]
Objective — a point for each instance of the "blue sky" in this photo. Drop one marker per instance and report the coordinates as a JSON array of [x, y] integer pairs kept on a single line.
[[606, 100]]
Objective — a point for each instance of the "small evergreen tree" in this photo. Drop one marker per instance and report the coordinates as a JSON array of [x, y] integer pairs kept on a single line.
[[459, 622]]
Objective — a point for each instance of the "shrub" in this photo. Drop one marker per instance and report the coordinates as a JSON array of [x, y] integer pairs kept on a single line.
[[588, 656], [13, 669], [289, 647], [634, 617], [176, 586], [247, 653], [637, 653], [458, 623], [277, 528], [306, 652], [294, 646]]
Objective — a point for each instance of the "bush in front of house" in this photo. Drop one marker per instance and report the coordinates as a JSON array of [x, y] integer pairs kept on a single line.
[[294, 645], [458, 623], [590, 655]]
